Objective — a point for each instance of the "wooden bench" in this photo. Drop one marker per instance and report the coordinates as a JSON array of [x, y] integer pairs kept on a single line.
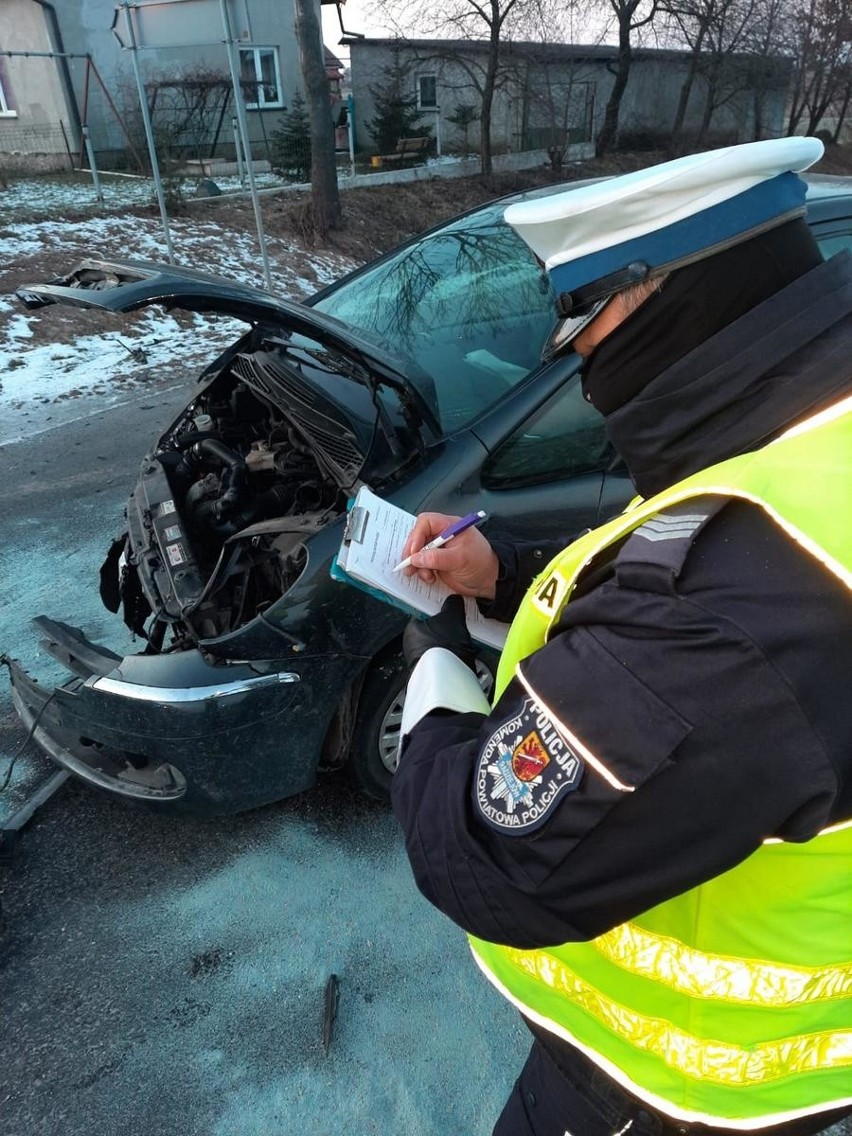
[[408, 149]]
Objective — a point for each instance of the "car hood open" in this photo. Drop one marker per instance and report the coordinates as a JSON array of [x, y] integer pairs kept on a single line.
[[127, 285]]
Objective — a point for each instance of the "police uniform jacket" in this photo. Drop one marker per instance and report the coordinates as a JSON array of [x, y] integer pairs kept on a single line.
[[736, 668]]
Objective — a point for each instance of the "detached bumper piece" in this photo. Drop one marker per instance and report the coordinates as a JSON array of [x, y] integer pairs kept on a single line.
[[55, 731], [157, 728]]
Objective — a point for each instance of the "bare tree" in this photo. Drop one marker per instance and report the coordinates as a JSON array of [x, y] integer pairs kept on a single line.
[[716, 31], [491, 22], [325, 195], [558, 87], [821, 43], [630, 16], [737, 48], [841, 107], [766, 40], [558, 93]]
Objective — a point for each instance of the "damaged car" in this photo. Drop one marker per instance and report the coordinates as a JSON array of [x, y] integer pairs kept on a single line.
[[433, 376]]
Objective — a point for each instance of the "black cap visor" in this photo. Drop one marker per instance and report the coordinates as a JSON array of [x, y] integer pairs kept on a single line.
[[567, 330]]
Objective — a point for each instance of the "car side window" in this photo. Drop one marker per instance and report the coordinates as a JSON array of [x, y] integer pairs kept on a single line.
[[565, 437]]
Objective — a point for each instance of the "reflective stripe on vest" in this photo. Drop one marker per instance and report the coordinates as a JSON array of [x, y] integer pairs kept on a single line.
[[731, 1004]]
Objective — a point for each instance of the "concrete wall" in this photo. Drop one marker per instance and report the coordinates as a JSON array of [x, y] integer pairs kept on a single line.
[[570, 89], [654, 88], [31, 131]]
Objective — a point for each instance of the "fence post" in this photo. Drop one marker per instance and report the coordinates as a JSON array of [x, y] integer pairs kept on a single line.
[[90, 153], [149, 131], [238, 151], [244, 134]]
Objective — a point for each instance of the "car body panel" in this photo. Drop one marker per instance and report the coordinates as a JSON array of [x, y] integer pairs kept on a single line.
[[150, 717]]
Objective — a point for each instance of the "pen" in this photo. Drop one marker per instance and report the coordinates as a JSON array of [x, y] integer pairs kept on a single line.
[[449, 532]]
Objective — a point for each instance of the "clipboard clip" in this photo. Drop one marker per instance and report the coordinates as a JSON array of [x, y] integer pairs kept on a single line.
[[356, 524]]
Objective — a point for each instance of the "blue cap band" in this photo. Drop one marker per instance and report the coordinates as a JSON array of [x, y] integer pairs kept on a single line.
[[701, 232]]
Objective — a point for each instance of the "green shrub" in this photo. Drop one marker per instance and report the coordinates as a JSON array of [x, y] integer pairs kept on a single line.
[[290, 142]]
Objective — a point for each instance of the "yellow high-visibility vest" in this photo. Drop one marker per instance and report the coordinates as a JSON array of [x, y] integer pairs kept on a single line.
[[731, 1004]]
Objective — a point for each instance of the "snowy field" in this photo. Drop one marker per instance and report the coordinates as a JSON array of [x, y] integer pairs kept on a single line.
[[77, 192], [39, 370]]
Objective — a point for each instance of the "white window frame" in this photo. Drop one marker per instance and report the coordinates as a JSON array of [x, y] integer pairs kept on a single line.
[[255, 53], [419, 81], [5, 110]]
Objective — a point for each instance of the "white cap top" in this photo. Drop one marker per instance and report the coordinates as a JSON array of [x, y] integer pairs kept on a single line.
[[582, 221]]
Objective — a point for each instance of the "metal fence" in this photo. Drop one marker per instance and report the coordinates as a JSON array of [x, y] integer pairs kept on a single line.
[[36, 146]]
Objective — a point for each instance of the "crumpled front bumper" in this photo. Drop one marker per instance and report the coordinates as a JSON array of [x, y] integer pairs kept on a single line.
[[176, 730]]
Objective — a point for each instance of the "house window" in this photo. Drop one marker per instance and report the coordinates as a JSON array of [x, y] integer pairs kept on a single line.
[[427, 92], [261, 77], [5, 110]]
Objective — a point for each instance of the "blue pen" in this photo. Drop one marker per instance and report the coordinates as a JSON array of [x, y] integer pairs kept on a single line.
[[449, 532]]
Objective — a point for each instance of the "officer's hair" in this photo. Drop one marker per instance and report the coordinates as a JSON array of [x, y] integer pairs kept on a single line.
[[636, 295]]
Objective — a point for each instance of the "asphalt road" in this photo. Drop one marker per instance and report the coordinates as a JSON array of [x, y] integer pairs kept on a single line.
[[164, 976]]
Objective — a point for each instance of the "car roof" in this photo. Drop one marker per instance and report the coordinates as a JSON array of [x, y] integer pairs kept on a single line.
[[829, 200], [828, 185]]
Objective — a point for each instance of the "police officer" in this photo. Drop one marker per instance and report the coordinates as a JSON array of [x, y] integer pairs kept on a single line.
[[648, 837]]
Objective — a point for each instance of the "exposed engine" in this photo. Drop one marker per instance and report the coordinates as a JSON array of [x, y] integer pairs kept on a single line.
[[217, 522], [239, 463]]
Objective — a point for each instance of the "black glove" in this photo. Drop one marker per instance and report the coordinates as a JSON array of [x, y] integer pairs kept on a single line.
[[446, 629]]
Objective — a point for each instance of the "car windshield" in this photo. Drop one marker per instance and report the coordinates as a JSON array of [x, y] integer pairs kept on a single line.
[[468, 305]]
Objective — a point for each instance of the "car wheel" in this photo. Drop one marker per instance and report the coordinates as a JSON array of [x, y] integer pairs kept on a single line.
[[375, 738]]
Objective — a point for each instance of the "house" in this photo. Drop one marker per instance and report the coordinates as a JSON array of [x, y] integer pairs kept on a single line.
[[553, 94], [39, 127], [66, 69]]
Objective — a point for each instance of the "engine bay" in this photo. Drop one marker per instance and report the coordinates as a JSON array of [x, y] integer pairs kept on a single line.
[[217, 522]]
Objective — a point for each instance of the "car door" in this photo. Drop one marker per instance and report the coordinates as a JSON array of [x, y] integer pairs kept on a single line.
[[549, 467]]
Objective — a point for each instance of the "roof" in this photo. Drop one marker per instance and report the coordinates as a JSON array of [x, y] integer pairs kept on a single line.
[[550, 52], [331, 59]]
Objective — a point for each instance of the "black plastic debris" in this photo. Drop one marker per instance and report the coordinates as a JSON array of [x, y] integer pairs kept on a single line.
[[332, 998]]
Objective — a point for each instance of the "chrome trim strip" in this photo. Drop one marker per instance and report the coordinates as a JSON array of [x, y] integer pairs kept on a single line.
[[87, 773], [123, 689]]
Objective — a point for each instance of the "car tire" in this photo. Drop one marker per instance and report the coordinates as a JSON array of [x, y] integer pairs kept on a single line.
[[375, 737]]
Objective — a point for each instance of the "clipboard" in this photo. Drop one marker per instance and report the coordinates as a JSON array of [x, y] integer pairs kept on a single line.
[[373, 538]]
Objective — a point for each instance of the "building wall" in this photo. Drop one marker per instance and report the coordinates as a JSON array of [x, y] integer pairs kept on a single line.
[[569, 92], [562, 96], [195, 25], [31, 128], [653, 92]]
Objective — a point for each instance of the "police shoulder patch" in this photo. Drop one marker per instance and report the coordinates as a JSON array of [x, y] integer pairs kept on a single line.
[[524, 768]]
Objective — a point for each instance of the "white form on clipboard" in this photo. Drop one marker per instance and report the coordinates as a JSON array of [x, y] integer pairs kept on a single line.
[[372, 546]]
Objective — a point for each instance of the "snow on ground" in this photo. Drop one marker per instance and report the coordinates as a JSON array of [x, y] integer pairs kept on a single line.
[[120, 191], [135, 348], [198, 242], [100, 370]]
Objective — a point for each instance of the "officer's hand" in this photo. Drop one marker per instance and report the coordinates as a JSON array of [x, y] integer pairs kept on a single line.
[[467, 564], [446, 629]]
